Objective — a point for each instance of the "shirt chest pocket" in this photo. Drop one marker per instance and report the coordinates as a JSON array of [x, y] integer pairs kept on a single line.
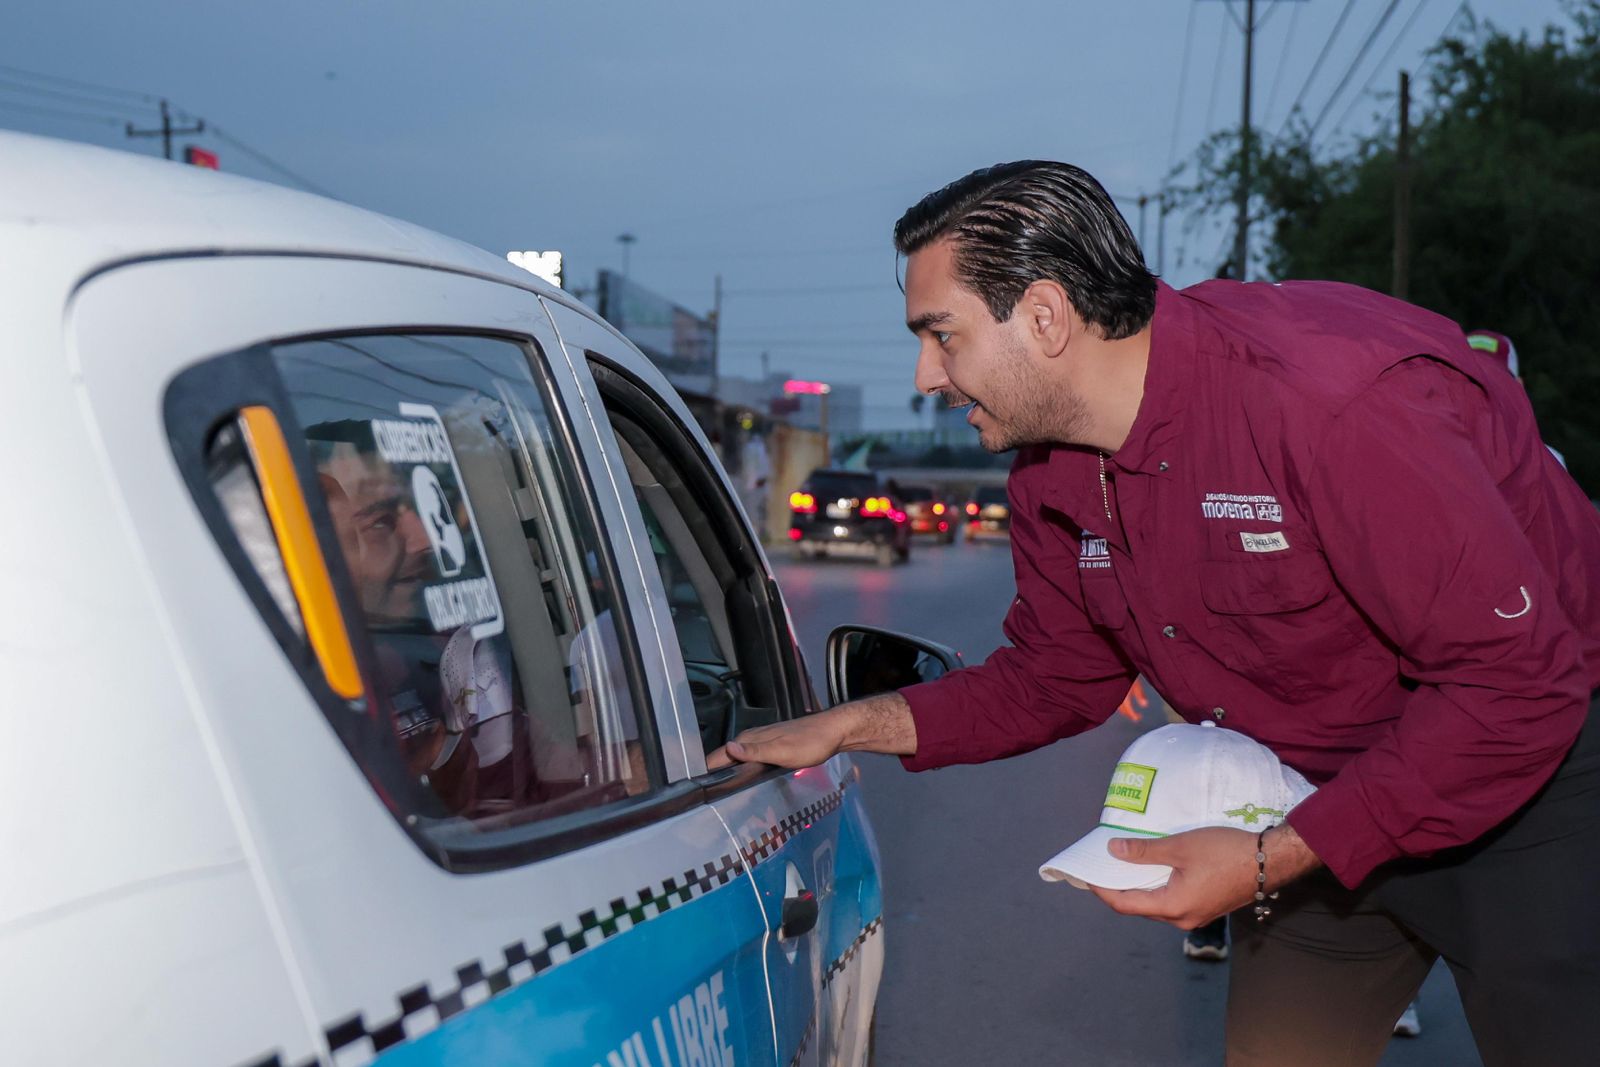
[[1268, 618]]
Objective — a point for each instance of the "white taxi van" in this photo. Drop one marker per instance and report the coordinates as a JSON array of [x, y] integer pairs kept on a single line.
[[370, 609]]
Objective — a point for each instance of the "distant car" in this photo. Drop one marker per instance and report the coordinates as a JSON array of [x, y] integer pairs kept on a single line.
[[848, 512], [929, 512], [989, 512]]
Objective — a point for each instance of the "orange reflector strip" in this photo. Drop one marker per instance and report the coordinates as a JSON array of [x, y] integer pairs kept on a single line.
[[302, 555]]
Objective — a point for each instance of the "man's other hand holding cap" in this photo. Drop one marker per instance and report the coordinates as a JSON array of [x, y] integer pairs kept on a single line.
[[1213, 872]]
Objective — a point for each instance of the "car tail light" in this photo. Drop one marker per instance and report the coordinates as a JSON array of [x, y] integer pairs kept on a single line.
[[876, 505], [938, 509], [943, 526], [972, 509], [794, 535], [895, 514], [803, 503]]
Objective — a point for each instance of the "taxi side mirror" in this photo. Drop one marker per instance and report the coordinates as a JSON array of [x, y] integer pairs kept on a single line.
[[864, 660]]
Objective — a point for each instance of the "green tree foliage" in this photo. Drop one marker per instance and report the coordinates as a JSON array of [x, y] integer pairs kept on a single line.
[[1505, 208]]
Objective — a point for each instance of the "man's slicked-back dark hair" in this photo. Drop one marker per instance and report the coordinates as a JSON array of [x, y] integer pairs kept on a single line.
[[1015, 223]]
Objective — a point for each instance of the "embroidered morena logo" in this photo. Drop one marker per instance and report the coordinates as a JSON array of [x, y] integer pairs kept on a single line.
[[1094, 555], [1254, 507]]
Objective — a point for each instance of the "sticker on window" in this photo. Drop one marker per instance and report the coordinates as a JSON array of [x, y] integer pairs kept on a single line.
[[418, 451]]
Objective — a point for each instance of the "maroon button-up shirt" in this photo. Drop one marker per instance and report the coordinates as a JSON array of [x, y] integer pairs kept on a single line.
[[1333, 527]]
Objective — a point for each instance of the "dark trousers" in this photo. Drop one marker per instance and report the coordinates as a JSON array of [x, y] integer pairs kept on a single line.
[[1515, 915]]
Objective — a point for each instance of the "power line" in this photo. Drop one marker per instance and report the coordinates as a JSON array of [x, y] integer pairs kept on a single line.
[[804, 290], [1327, 46], [1183, 82], [74, 83], [1463, 8], [1361, 54], [906, 342], [60, 113], [133, 94], [9, 86], [1283, 58], [1382, 63], [1216, 77], [268, 162]]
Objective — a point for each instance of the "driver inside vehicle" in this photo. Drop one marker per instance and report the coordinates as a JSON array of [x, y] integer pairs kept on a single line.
[[455, 695]]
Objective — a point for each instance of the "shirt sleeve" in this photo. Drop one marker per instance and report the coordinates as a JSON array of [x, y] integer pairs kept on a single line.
[[1419, 536], [1058, 676]]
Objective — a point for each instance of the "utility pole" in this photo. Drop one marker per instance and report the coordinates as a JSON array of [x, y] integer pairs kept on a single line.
[[1143, 200], [716, 333], [626, 240], [1241, 238], [167, 130], [1161, 232], [1402, 194]]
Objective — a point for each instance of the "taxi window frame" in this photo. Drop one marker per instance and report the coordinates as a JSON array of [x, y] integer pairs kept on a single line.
[[208, 395], [640, 401]]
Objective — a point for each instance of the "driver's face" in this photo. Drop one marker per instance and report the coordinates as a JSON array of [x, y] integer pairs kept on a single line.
[[385, 545]]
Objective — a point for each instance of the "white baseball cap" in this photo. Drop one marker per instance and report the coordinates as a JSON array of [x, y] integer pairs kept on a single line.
[[1180, 777]]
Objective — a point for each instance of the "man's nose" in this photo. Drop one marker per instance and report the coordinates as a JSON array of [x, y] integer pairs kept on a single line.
[[412, 535], [930, 375]]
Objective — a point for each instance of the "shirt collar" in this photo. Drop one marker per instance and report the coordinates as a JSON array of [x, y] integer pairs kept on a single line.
[[1155, 428]]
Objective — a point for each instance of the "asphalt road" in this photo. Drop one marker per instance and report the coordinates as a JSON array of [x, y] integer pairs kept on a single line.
[[987, 964]]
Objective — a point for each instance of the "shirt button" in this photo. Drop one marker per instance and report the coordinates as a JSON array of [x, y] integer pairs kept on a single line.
[[1218, 714], [1169, 631], [1161, 466]]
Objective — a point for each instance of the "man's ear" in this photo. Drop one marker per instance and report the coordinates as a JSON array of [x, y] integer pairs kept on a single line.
[[1048, 316]]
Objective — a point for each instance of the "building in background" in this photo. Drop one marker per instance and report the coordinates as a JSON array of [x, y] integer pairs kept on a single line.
[[674, 338]]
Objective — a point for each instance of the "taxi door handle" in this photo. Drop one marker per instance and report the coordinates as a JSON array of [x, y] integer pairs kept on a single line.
[[799, 915]]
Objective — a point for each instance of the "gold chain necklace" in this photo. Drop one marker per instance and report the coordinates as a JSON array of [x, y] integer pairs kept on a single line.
[[1105, 496]]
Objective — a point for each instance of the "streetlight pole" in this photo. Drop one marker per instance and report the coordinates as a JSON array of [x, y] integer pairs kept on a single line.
[[626, 240]]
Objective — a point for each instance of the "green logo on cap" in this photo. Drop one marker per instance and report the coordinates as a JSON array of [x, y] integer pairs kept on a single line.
[[1130, 787], [1250, 813]]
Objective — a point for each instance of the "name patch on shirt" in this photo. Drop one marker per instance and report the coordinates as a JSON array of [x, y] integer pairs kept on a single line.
[[1264, 542], [1252, 507], [1094, 555]]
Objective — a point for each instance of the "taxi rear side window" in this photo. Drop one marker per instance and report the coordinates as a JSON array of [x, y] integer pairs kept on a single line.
[[494, 658]]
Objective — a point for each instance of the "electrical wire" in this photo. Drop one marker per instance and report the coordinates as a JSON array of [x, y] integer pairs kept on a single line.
[[1327, 46], [8, 86], [74, 83], [1216, 77], [1283, 58], [1183, 83], [60, 113], [1361, 54], [1382, 62], [1463, 9], [267, 161], [183, 114], [806, 290]]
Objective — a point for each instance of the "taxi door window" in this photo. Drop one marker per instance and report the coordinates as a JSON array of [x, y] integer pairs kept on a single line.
[[496, 647], [718, 594]]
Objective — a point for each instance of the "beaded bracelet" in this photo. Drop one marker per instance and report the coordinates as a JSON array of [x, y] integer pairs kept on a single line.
[[1263, 909]]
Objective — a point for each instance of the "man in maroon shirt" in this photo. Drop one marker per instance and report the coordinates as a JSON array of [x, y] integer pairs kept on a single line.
[[1309, 513]]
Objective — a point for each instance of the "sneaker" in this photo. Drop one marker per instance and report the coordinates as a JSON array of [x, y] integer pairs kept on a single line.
[[1408, 1025], [1208, 942]]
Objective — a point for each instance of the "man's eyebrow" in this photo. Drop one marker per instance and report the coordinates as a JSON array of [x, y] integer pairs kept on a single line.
[[389, 503], [928, 320]]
